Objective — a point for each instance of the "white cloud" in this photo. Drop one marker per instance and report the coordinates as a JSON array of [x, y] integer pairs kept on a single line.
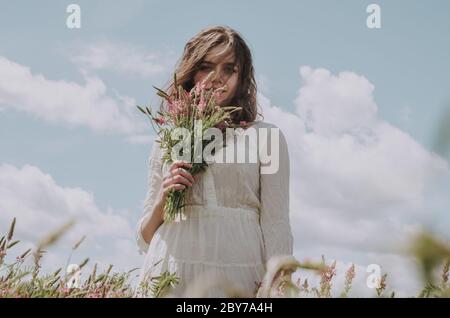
[[65, 102], [123, 58], [41, 206], [357, 182], [331, 105]]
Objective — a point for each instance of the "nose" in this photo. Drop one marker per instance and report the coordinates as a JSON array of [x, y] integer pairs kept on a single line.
[[218, 79]]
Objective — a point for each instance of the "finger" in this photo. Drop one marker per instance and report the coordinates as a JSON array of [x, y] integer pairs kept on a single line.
[[176, 179], [168, 181], [167, 176], [184, 173], [170, 172], [180, 179], [180, 163], [175, 186]]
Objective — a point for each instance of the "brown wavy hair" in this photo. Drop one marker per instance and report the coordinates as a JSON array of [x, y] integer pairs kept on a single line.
[[195, 51]]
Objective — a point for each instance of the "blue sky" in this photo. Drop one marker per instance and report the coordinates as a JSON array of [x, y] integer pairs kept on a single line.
[[406, 61]]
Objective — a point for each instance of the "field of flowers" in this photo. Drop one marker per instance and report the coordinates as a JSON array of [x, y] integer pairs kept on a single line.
[[17, 280]]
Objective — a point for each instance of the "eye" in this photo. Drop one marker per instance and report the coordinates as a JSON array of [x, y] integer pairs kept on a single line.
[[230, 69], [204, 67]]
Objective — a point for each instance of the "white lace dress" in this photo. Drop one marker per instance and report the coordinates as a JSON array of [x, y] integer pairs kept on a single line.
[[236, 219]]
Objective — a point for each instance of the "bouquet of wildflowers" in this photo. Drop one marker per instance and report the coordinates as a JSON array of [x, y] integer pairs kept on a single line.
[[184, 110]]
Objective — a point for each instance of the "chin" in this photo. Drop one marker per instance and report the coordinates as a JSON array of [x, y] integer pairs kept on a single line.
[[223, 102]]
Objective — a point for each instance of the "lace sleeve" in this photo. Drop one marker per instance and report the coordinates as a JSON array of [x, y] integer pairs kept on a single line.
[[274, 196], [154, 185]]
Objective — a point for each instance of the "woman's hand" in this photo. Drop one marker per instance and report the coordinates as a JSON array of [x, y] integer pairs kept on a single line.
[[176, 178]]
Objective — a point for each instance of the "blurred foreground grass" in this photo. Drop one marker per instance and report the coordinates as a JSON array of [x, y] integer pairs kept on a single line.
[[17, 280]]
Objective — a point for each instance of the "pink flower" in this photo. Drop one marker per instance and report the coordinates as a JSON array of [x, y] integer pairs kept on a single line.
[[202, 105], [175, 107], [171, 107], [243, 123], [161, 120], [180, 106], [200, 87]]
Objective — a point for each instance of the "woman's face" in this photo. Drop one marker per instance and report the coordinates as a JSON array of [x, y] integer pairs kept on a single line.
[[226, 72]]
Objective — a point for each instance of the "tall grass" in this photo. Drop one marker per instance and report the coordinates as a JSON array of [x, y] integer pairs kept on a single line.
[[17, 280]]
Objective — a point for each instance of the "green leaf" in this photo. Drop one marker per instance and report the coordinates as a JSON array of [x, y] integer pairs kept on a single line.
[[12, 244], [161, 92], [141, 109]]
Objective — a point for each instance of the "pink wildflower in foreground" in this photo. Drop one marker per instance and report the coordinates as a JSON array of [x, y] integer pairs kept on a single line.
[[201, 105], [161, 120]]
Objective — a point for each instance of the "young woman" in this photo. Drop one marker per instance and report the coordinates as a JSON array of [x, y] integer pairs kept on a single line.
[[237, 217]]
